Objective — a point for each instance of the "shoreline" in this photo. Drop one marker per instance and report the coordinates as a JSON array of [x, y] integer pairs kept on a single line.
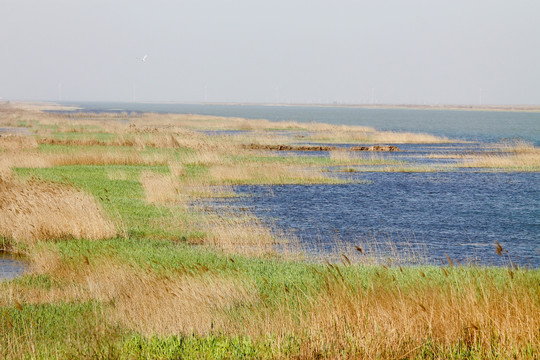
[[63, 106]]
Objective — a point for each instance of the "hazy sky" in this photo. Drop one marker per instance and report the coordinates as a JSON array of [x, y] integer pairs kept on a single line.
[[386, 51]]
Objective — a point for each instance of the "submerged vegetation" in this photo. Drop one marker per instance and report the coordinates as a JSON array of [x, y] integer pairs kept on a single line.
[[128, 260]]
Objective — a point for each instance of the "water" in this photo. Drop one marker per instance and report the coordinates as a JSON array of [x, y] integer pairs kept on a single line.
[[456, 213], [461, 214], [484, 126], [10, 266], [14, 131]]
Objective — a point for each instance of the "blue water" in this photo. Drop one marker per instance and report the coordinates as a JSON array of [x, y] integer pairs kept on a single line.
[[484, 126], [460, 214], [10, 266]]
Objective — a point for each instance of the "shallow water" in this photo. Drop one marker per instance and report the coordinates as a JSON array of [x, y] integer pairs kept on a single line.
[[10, 266], [14, 131], [459, 214]]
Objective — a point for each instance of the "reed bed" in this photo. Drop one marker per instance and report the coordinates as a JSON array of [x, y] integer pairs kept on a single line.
[[162, 305], [517, 156], [344, 157], [269, 173], [160, 188], [516, 162], [240, 234], [205, 158], [36, 210], [351, 134], [466, 312], [17, 142], [83, 157]]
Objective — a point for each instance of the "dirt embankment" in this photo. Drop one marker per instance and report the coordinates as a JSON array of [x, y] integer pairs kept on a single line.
[[319, 148]]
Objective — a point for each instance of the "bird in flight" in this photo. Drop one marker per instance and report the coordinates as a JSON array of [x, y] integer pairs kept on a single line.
[[143, 59]]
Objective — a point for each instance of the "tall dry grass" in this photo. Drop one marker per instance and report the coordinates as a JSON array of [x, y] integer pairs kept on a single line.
[[352, 134], [243, 234], [384, 319], [160, 188], [186, 302], [265, 173], [33, 210], [205, 157], [96, 156], [17, 142], [518, 155], [153, 304]]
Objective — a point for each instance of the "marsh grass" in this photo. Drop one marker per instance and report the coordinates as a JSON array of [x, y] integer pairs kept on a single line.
[[17, 142], [160, 188], [347, 319], [269, 173], [348, 134], [515, 156], [34, 210], [163, 305]]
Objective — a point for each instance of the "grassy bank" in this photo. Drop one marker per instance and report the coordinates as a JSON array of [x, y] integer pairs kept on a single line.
[[138, 298], [127, 261]]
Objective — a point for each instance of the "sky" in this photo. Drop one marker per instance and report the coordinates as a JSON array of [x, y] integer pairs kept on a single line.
[[284, 51]]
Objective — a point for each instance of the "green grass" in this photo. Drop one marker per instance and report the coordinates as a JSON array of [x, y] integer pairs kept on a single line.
[[123, 200], [58, 331]]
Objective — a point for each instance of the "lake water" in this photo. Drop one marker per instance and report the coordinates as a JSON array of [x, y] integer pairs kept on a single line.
[[459, 213]]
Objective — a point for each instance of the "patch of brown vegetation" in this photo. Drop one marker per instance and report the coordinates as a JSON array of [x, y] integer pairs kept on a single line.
[[34, 210], [159, 304], [266, 173], [390, 321], [14, 142], [185, 302], [518, 156], [160, 188], [240, 234]]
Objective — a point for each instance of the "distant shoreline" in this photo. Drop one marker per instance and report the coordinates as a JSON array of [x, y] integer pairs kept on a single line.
[[509, 108], [59, 106]]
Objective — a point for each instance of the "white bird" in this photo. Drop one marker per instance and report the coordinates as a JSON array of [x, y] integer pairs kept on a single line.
[[143, 59]]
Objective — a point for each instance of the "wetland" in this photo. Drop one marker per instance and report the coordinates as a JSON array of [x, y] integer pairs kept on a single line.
[[170, 235]]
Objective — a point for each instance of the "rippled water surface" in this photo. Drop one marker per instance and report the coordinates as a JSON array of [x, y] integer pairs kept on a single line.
[[10, 266], [461, 214]]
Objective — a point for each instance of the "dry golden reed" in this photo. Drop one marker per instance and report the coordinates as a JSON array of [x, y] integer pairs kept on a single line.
[[177, 169], [182, 303], [92, 156], [264, 173], [385, 320], [36, 210], [164, 305], [160, 188], [17, 142], [517, 155], [241, 234]]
